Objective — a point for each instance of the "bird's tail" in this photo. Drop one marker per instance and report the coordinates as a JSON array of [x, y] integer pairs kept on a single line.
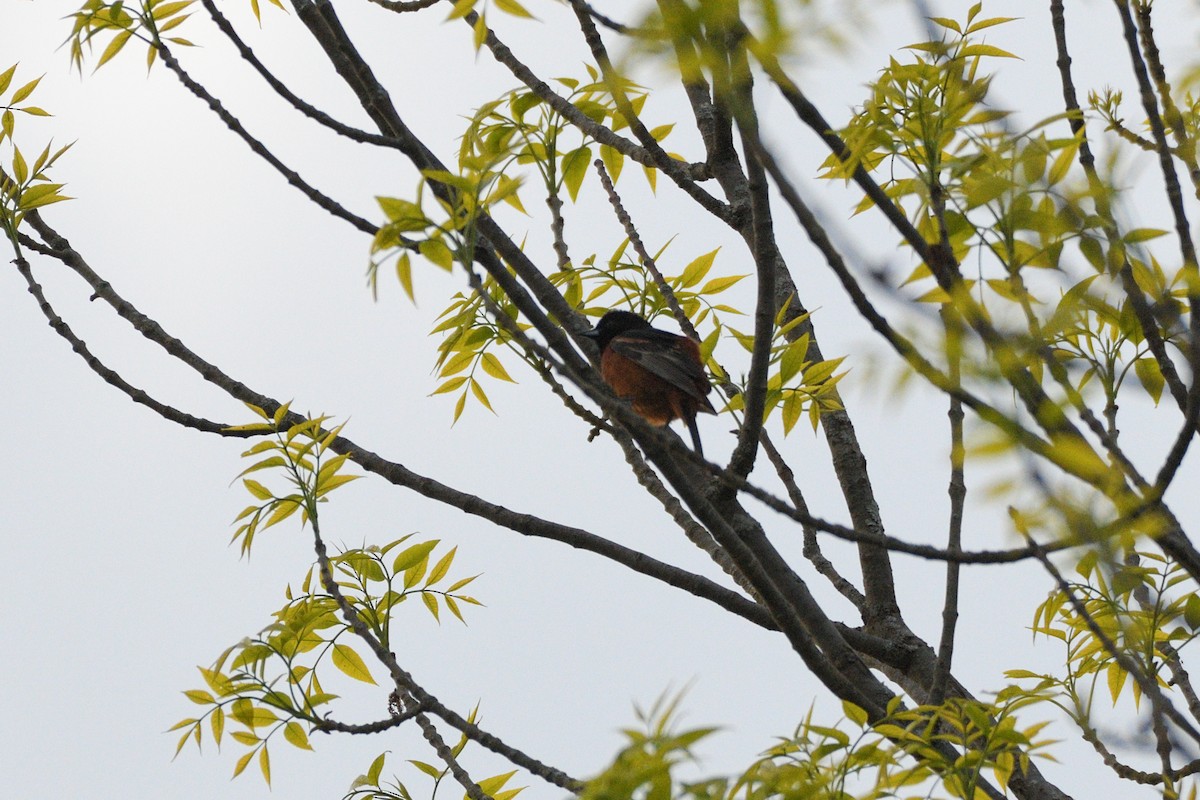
[[695, 431]]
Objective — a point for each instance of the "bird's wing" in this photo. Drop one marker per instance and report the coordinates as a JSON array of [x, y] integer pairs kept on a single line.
[[660, 353]]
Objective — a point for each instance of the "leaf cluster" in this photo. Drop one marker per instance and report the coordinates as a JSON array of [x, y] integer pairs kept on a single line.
[[1133, 602], [371, 786], [120, 22], [270, 682], [24, 186], [949, 746], [299, 453]]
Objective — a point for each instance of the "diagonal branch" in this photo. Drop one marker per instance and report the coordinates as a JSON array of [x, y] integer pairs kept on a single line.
[[258, 147]]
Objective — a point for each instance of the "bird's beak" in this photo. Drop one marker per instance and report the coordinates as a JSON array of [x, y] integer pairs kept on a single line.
[[593, 334]]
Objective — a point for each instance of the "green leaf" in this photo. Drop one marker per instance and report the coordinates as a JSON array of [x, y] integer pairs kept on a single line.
[[113, 48], [973, 50], [217, 721], [1116, 680], [717, 285], [411, 556], [20, 168], [947, 23], [257, 489], [25, 91], [480, 31], [694, 272], [461, 9], [242, 763], [167, 9], [1150, 376], [512, 7], [651, 177], [492, 366], [793, 405], [376, 769], [6, 78], [430, 600], [855, 714], [404, 275], [264, 764], [428, 769], [41, 195], [1143, 235], [492, 785], [460, 584], [351, 663], [436, 251], [450, 385], [441, 568], [294, 733], [661, 132], [200, 697], [283, 509], [1191, 611], [613, 160], [574, 168]]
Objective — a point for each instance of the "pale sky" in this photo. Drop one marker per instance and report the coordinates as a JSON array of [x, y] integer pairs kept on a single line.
[[116, 526]]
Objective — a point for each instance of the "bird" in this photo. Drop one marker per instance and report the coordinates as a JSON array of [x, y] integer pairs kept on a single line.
[[660, 373]]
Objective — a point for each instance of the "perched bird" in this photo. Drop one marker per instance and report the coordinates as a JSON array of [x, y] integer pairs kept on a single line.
[[658, 372]]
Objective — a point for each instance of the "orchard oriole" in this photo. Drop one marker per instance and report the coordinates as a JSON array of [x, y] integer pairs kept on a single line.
[[659, 372]]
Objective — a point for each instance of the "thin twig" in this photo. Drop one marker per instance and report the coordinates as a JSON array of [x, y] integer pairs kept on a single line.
[[259, 149], [812, 546], [1100, 195], [307, 109], [635, 239], [958, 492]]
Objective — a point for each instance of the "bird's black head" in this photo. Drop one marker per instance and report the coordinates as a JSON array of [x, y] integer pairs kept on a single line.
[[612, 325]]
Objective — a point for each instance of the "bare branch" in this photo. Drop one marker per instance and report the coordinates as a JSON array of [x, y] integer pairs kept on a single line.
[[259, 149]]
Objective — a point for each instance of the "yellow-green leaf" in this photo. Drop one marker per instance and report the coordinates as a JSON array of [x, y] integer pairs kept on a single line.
[[294, 733], [431, 603], [257, 489], [283, 509], [25, 91], [973, 50], [351, 663], [461, 9], [661, 132], [217, 720], [450, 385], [480, 31], [411, 556], [242, 763], [404, 275], [613, 160], [512, 7], [1191, 611], [441, 567], [720, 284], [1116, 680], [1150, 376], [113, 48], [493, 367], [428, 769], [436, 251], [574, 168], [1142, 235], [6, 77]]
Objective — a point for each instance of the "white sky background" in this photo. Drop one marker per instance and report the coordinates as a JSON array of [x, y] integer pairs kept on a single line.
[[116, 522]]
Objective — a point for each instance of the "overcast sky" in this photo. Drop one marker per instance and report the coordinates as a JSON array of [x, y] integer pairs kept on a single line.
[[116, 523]]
